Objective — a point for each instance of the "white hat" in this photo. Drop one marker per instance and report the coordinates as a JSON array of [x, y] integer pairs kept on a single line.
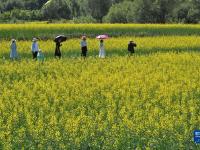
[[13, 40], [34, 39], [84, 37]]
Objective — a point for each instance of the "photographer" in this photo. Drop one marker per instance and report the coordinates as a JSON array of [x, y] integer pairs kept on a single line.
[[131, 46]]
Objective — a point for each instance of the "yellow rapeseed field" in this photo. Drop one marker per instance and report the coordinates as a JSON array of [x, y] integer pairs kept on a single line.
[[150, 100], [113, 46]]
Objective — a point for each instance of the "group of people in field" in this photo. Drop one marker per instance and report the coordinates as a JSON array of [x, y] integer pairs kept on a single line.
[[37, 53]]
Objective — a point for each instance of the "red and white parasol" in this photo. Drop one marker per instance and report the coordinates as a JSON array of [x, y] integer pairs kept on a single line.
[[101, 37]]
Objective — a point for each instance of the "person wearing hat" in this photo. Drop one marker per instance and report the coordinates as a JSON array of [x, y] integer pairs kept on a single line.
[[35, 48], [131, 46], [84, 47], [13, 49]]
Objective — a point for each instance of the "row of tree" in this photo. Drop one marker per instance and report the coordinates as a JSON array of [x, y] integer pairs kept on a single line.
[[110, 11]]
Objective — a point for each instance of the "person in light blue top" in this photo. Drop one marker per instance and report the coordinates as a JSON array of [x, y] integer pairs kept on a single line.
[[13, 49], [35, 48]]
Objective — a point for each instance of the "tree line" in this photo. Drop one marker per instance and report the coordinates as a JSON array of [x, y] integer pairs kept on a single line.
[[98, 11]]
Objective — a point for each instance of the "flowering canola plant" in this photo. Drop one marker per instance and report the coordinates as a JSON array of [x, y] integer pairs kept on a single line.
[[147, 101]]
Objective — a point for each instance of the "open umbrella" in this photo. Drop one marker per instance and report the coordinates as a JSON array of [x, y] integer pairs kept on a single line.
[[60, 38], [101, 37]]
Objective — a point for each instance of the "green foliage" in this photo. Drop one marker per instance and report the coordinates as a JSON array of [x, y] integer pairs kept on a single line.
[[56, 9], [13, 4], [99, 8], [187, 13], [121, 13], [86, 19], [113, 11], [20, 14]]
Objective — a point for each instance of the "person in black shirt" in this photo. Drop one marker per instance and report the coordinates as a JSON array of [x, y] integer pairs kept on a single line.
[[131, 47], [57, 51]]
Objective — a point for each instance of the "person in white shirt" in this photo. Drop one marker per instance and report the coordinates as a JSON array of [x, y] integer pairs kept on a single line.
[[101, 49], [35, 48]]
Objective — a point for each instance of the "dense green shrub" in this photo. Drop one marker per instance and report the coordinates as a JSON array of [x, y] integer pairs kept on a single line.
[[120, 13], [86, 19], [21, 15]]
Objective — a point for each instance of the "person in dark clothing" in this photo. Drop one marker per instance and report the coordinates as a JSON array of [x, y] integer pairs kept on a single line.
[[84, 51], [57, 51], [131, 47], [84, 47]]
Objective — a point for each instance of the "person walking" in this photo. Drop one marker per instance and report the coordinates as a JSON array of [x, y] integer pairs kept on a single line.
[[57, 50], [84, 47], [35, 48], [131, 46], [13, 49], [101, 49]]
